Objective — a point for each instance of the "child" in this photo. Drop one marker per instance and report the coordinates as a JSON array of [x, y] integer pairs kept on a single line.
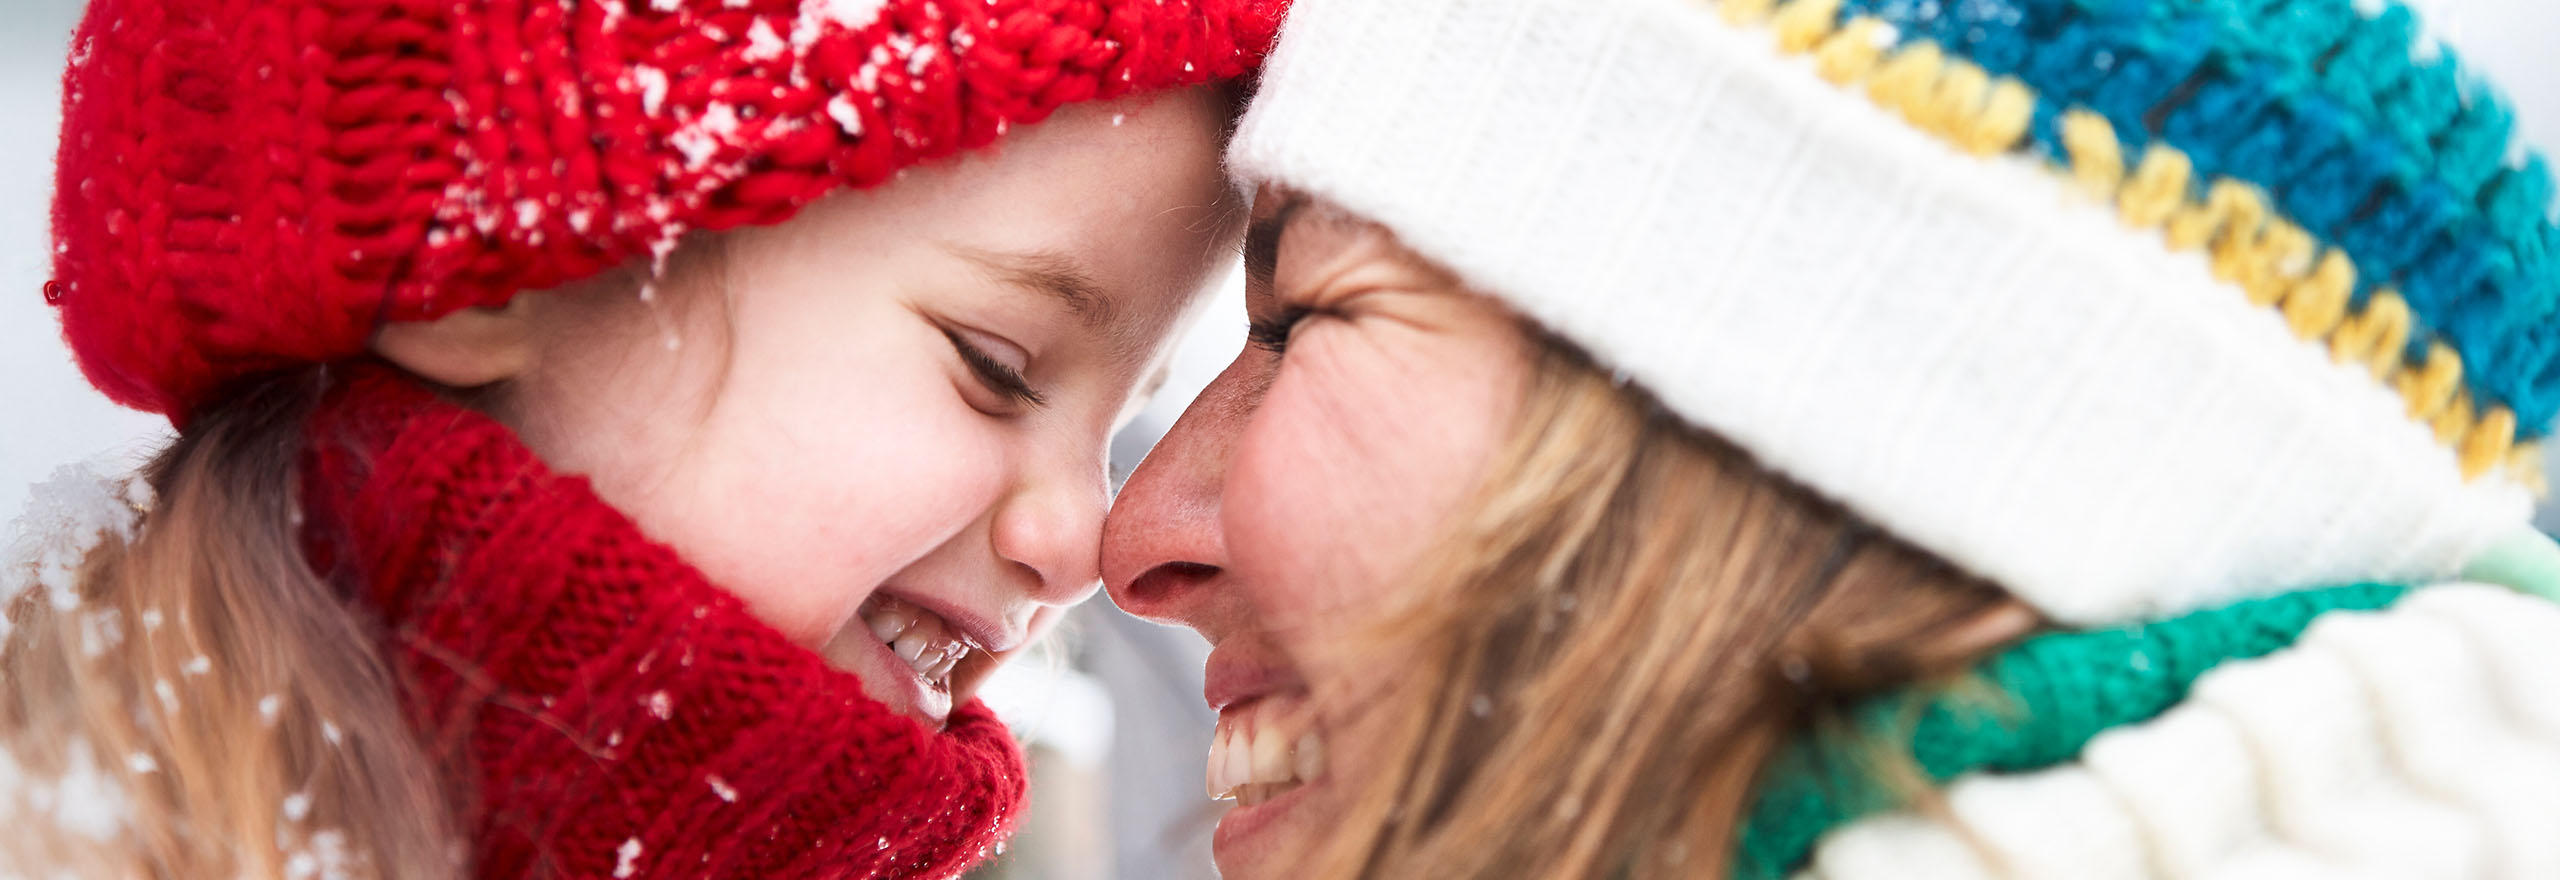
[[563, 487]]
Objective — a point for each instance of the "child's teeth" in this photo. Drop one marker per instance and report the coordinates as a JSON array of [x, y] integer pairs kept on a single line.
[[916, 636], [910, 647], [890, 622]]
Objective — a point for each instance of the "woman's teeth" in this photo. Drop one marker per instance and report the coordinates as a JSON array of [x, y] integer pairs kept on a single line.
[[1264, 749], [917, 636]]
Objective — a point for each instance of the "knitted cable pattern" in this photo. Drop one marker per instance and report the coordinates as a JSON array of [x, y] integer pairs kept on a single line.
[[249, 184], [2055, 693], [2422, 741], [610, 711]]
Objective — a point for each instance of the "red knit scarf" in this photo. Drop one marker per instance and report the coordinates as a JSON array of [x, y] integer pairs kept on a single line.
[[614, 713]]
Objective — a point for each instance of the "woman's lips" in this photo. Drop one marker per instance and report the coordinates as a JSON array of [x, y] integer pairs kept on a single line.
[[1267, 741], [1244, 667], [1268, 756], [907, 657]]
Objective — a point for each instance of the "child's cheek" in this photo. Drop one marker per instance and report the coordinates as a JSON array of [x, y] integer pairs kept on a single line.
[[832, 489]]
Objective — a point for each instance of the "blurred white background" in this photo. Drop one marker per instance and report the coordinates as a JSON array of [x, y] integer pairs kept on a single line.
[[1119, 716]]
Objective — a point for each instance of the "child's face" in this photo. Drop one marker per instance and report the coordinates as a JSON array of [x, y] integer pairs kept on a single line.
[[832, 435]]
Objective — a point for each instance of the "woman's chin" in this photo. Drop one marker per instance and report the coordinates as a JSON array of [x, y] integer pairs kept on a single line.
[[1267, 839]]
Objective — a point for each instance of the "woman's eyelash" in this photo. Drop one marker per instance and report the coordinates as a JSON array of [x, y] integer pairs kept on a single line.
[[1001, 379], [1272, 333]]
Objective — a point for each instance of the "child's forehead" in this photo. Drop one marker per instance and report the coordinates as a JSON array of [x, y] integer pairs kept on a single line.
[[1057, 275], [1128, 315]]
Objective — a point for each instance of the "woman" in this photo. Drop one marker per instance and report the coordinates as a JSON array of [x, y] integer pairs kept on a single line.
[[1872, 439]]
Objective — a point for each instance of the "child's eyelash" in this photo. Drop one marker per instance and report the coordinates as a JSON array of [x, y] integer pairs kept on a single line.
[[1272, 333], [1001, 379]]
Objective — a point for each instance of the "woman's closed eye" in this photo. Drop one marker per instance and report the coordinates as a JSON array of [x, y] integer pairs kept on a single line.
[[1272, 333], [987, 361]]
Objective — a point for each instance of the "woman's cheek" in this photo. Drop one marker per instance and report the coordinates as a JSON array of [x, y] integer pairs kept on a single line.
[[1279, 542], [1317, 511], [1365, 448]]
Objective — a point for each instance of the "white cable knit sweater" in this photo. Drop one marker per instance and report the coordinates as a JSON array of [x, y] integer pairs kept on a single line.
[[2421, 742]]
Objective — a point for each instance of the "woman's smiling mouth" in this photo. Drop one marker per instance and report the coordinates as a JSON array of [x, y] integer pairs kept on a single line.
[[1269, 752], [1264, 748]]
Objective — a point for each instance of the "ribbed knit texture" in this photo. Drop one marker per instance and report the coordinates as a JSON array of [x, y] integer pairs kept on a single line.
[[2423, 741], [250, 184], [1966, 350], [2048, 697], [2402, 160], [612, 712]]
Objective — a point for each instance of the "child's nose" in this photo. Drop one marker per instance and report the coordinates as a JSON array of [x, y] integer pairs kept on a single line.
[[1053, 526]]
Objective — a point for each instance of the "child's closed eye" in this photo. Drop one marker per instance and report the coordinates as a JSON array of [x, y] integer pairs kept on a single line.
[[987, 361]]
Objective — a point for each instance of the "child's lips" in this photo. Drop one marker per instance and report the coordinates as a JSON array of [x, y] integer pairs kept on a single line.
[[910, 658]]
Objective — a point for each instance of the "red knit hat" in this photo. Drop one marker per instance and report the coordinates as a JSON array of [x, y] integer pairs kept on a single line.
[[251, 185]]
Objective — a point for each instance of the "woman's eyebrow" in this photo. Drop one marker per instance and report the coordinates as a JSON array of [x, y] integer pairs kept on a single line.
[[1053, 274], [1262, 240]]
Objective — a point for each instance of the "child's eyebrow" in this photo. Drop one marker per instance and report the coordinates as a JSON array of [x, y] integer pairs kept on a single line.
[[1048, 273]]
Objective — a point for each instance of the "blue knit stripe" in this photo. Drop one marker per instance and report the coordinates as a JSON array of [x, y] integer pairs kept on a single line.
[[2453, 125], [2387, 159]]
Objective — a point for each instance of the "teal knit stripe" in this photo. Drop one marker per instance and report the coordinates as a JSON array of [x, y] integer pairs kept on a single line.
[[2054, 693], [2450, 121], [2399, 163]]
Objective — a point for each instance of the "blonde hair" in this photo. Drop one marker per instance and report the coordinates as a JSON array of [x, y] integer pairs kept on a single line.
[[210, 706], [1627, 626]]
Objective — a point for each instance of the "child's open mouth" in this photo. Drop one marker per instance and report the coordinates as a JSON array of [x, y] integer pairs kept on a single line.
[[909, 657]]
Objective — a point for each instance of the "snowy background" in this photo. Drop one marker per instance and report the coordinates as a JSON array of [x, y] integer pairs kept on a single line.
[[1121, 695]]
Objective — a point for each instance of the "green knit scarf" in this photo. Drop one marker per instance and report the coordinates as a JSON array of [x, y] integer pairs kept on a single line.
[[2041, 702]]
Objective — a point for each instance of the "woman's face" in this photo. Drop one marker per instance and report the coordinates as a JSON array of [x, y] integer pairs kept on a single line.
[[1297, 492]]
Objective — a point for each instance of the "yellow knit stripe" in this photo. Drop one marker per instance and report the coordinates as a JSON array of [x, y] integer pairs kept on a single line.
[[2250, 244]]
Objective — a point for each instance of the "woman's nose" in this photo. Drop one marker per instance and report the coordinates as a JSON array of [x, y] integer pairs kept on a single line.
[[1163, 540]]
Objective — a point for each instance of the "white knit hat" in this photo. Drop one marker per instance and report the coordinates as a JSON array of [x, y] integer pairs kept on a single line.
[[2132, 308]]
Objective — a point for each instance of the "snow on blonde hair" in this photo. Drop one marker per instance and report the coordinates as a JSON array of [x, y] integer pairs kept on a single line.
[[182, 696]]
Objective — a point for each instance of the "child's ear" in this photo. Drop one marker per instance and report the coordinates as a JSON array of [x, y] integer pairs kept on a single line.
[[466, 349]]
